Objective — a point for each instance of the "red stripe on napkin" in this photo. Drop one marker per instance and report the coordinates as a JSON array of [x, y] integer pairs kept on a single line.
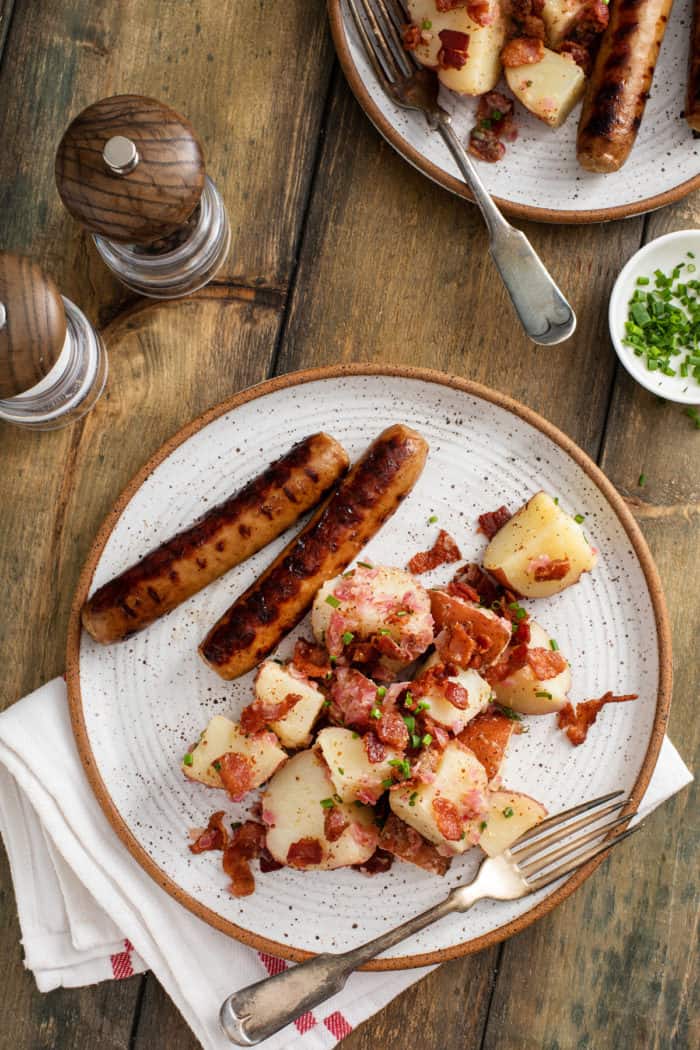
[[337, 1025], [305, 1022], [121, 962]]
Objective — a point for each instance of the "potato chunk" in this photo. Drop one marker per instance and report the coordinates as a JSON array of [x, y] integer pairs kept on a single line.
[[524, 692], [273, 684], [559, 17], [296, 807], [482, 70], [222, 737], [354, 776], [550, 88], [436, 693], [510, 815], [449, 809], [540, 551]]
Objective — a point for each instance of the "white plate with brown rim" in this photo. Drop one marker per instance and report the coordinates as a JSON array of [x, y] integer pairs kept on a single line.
[[137, 705], [539, 177]]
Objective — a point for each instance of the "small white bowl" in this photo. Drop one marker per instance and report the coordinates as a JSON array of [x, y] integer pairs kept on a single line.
[[662, 254]]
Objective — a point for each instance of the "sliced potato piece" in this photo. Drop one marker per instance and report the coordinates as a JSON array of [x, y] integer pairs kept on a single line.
[[482, 69], [510, 815], [445, 713], [223, 736], [293, 809], [559, 17], [273, 684], [448, 810], [354, 776], [524, 692], [423, 13], [550, 88], [540, 540]]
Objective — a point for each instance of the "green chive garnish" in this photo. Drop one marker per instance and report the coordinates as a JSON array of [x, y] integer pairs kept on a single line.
[[364, 564], [327, 803], [332, 600], [553, 645], [375, 713], [432, 519], [426, 740], [579, 518], [347, 637], [381, 692], [187, 760], [508, 811], [412, 798], [545, 694], [642, 480], [482, 826]]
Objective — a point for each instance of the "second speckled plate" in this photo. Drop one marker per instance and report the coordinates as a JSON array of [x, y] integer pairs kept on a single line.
[[136, 706]]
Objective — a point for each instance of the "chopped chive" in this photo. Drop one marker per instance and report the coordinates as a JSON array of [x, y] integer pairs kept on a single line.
[[510, 713], [408, 699], [642, 480], [426, 740], [423, 705], [341, 771], [332, 660], [432, 519], [381, 692], [375, 713], [642, 280], [332, 600], [556, 500], [415, 740], [327, 803], [383, 630], [545, 694], [188, 759], [482, 826], [355, 736], [508, 811], [579, 518], [364, 565], [217, 765], [235, 825], [426, 24], [387, 783], [553, 645], [326, 703], [403, 766], [692, 413], [410, 723], [412, 798], [347, 637], [403, 612]]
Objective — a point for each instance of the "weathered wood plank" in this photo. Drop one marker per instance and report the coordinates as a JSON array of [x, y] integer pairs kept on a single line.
[[6, 8]]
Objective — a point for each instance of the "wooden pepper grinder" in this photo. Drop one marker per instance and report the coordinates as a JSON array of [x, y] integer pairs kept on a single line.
[[131, 171], [53, 365]]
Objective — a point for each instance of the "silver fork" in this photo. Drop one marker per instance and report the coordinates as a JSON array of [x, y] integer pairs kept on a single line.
[[258, 1011], [542, 310]]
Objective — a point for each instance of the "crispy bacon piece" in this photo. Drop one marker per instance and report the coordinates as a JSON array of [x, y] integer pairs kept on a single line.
[[440, 735], [494, 122], [454, 49], [376, 752], [447, 819], [490, 634], [334, 824], [260, 713], [493, 520], [522, 51], [443, 551], [485, 146], [411, 36], [236, 772], [352, 697], [552, 569], [407, 844], [545, 663], [580, 54], [487, 590], [247, 842], [512, 660], [304, 852], [378, 863], [214, 836], [522, 632], [457, 695], [455, 645], [590, 23], [459, 588], [487, 736], [576, 723], [391, 730], [312, 660], [480, 12]]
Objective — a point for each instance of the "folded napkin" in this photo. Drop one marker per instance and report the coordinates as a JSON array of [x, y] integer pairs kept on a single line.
[[89, 913]]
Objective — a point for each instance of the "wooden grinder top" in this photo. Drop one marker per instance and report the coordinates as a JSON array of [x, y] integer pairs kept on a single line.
[[130, 169], [32, 324]]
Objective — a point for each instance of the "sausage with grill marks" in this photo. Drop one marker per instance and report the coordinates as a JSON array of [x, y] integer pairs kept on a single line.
[[618, 88], [275, 603], [226, 535]]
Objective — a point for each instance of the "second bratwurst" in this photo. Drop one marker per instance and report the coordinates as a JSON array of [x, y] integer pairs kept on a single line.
[[275, 603], [226, 535]]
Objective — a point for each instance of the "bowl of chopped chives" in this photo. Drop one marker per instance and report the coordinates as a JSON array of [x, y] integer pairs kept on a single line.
[[654, 316]]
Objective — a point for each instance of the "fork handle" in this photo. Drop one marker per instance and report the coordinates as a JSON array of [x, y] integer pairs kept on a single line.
[[258, 1011], [538, 301]]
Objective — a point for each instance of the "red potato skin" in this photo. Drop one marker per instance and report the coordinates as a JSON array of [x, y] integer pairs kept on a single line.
[[692, 98], [619, 85], [226, 535], [275, 603]]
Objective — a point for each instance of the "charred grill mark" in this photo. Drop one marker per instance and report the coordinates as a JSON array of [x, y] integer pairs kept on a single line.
[[244, 530], [153, 595], [127, 610], [290, 494]]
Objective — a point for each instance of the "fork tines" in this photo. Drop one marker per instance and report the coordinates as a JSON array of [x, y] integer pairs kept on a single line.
[[531, 844], [380, 30]]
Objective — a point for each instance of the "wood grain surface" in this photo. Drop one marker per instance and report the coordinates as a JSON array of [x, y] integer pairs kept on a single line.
[[340, 252]]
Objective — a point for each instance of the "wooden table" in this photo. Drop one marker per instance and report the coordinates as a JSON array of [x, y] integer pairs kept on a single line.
[[341, 252]]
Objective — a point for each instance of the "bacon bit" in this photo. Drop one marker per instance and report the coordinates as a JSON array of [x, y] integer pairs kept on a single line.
[[457, 695], [591, 22], [447, 819], [494, 121], [522, 633], [453, 52], [580, 54], [533, 27], [376, 752], [493, 520], [378, 863], [352, 698], [545, 664], [552, 569], [247, 842], [391, 730], [268, 862], [459, 588], [443, 551], [487, 736], [522, 51], [485, 146], [312, 660], [490, 633], [577, 722], [215, 835], [455, 645], [304, 853], [260, 713], [334, 823], [480, 12], [236, 774], [512, 660], [411, 36], [424, 769], [473, 576], [407, 844]]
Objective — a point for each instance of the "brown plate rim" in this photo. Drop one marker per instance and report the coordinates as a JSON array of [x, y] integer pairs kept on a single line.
[[298, 379], [456, 186]]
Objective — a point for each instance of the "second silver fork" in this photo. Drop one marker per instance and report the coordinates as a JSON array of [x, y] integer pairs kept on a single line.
[[544, 313]]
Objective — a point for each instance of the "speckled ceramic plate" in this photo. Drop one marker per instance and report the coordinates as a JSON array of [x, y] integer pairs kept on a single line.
[[539, 178], [137, 705]]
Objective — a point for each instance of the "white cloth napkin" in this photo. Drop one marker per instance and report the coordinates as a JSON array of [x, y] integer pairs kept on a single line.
[[89, 913]]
